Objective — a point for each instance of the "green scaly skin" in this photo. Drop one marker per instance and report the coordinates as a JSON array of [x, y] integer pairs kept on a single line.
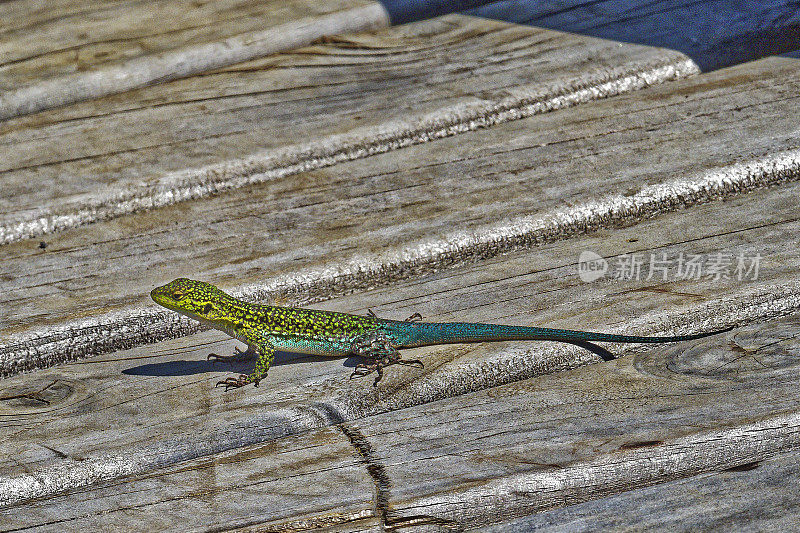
[[266, 328]]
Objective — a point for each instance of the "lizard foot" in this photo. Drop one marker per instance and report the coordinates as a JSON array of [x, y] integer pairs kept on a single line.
[[416, 317], [241, 355], [235, 383], [377, 365], [365, 369], [380, 350]]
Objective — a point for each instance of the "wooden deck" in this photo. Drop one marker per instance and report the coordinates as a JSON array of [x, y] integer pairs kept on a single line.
[[455, 167]]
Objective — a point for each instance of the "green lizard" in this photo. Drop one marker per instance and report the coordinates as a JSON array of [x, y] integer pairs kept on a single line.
[[265, 328]]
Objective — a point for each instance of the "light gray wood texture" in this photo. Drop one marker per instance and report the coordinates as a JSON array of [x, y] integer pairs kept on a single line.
[[758, 496], [712, 404], [263, 120], [66, 36], [371, 220], [482, 221], [111, 47]]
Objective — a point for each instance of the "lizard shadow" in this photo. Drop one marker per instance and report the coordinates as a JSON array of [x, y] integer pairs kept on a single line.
[[245, 366]]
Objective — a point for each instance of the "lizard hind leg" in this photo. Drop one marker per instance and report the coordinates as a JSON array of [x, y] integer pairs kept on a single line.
[[380, 350], [416, 317]]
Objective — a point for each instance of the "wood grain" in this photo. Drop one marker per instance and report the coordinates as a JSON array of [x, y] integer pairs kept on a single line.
[[468, 204], [370, 221], [152, 408], [73, 52], [761, 495], [529, 446], [262, 120]]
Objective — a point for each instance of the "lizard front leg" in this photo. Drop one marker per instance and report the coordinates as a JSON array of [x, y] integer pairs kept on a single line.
[[266, 354]]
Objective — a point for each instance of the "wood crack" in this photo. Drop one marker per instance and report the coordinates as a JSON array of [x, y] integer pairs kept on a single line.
[[379, 475]]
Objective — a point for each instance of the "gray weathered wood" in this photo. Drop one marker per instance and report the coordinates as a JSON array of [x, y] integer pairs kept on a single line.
[[261, 120], [477, 458], [370, 221], [558, 440], [72, 52], [140, 437], [760, 496], [143, 410], [318, 475], [65, 36]]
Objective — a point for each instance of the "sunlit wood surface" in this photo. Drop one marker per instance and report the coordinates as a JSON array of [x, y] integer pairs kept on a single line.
[[455, 167]]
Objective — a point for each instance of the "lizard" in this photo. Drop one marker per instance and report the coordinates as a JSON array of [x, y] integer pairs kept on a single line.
[[265, 329]]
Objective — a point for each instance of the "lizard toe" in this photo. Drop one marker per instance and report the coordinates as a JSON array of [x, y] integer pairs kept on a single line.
[[234, 382]]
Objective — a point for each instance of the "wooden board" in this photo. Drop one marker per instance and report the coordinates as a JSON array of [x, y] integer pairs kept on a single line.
[[66, 36], [403, 213], [469, 205], [144, 412], [71, 52], [559, 440], [529, 446], [761, 495], [263, 120]]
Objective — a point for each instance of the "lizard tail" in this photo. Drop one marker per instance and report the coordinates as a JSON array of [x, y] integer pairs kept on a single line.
[[411, 334]]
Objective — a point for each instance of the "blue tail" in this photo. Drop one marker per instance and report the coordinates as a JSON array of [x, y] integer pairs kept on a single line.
[[412, 334]]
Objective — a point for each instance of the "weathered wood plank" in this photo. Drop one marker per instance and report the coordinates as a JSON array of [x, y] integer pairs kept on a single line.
[[534, 445], [367, 222], [561, 439], [72, 52], [64, 36], [261, 120], [142, 434], [318, 475], [141, 410], [761, 496]]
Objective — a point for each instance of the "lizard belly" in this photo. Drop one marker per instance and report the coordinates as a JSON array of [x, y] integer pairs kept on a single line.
[[311, 346]]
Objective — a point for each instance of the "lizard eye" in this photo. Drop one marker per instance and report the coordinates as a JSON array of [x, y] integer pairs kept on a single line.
[[207, 308], [177, 295]]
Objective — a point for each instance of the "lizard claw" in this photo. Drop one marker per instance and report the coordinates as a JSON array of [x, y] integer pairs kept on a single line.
[[235, 383], [377, 365], [380, 350], [363, 369]]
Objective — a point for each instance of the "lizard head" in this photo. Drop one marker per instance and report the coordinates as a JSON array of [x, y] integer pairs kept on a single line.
[[195, 299]]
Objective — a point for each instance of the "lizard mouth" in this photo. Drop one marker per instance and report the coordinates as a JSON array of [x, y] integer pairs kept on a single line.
[[162, 297]]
